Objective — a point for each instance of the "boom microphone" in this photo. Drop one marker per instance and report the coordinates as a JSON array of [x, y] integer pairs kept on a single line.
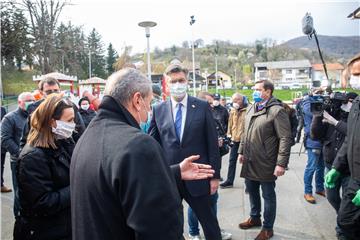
[[308, 24]]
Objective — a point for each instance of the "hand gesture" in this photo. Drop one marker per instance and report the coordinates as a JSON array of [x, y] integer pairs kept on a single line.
[[194, 171]]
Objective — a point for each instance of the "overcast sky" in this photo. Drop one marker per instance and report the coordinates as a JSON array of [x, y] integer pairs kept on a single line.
[[236, 20]]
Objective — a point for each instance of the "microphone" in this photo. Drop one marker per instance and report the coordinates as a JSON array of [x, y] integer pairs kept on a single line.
[[308, 24]]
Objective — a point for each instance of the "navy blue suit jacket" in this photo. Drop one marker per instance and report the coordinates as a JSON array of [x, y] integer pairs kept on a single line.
[[199, 138]]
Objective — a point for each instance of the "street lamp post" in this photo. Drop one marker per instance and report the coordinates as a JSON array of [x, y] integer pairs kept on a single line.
[[147, 25], [216, 64], [192, 21]]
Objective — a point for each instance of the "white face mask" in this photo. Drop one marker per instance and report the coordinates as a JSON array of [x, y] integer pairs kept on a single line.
[[236, 105], [85, 107], [346, 107], [63, 129], [355, 82], [178, 90], [216, 103]]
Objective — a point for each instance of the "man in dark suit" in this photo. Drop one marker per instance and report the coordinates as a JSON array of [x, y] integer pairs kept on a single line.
[[184, 126]]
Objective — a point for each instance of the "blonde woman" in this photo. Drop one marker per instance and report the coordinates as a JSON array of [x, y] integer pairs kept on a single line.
[[43, 173]]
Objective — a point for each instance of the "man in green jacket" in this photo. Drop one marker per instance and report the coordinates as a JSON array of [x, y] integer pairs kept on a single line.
[[264, 152]]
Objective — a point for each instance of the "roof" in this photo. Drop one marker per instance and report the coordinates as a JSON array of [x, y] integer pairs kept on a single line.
[[212, 76], [197, 76], [58, 76], [285, 64], [329, 67], [93, 80], [355, 14]]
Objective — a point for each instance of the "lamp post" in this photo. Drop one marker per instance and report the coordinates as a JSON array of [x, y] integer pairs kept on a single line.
[[216, 65], [147, 25], [192, 21]]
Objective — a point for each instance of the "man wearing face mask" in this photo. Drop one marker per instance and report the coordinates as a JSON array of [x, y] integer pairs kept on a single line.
[[347, 159], [47, 86], [184, 125], [264, 152], [129, 191], [11, 132], [219, 112], [86, 113], [331, 129], [235, 131]]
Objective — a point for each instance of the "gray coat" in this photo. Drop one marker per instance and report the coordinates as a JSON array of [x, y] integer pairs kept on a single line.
[[266, 141]]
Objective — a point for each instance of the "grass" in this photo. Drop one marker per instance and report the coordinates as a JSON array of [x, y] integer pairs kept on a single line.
[[15, 82], [284, 95]]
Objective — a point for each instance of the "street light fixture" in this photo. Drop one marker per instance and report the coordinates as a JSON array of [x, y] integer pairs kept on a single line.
[[147, 25], [192, 21]]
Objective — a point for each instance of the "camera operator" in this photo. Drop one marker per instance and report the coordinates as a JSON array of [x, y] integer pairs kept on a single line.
[[330, 128], [315, 162]]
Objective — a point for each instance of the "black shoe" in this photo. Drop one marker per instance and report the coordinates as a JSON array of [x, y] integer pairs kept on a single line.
[[226, 185]]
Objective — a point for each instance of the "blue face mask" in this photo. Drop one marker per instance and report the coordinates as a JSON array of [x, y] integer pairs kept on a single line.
[[144, 126], [257, 96]]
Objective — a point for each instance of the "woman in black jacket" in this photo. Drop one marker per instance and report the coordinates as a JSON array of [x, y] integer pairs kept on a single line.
[[43, 173], [84, 109]]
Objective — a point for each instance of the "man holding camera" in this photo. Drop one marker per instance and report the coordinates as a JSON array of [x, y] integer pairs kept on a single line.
[[315, 162], [330, 129], [348, 159]]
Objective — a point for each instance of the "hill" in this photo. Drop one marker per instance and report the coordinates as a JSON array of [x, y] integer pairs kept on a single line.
[[339, 47]]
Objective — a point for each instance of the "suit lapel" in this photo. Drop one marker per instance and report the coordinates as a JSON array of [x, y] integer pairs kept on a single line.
[[190, 113]]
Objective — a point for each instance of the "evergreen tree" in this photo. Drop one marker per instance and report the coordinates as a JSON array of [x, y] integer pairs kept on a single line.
[[111, 59], [96, 48]]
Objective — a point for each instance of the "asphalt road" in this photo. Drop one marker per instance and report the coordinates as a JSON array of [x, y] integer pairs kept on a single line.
[[296, 219]]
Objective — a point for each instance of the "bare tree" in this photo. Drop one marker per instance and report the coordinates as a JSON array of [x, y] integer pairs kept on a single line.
[[44, 15]]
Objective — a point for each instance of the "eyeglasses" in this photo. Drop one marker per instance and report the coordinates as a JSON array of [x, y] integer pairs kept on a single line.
[[48, 92]]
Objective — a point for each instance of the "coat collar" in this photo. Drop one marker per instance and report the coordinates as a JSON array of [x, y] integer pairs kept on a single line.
[[109, 108]]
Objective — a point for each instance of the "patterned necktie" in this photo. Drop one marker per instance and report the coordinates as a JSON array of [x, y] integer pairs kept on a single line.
[[178, 121]]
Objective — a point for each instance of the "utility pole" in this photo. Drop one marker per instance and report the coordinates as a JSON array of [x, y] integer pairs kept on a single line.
[[192, 21]]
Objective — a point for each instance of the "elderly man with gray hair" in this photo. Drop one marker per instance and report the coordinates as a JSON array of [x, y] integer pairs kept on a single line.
[[121, 185], [11, 131]]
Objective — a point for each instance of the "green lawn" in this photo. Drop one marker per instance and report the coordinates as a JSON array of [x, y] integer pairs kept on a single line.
[[284, 95]]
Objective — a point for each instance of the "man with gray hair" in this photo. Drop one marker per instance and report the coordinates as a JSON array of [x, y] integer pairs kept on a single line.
[[121, 185], [12, 126]]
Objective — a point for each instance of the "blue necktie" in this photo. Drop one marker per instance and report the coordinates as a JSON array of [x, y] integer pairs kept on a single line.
[[178, 121]]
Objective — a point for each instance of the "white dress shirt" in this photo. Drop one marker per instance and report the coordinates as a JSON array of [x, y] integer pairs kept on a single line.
[[175, 107]]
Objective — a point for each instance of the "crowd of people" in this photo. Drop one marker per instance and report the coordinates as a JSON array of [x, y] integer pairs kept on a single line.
[[121, 166]]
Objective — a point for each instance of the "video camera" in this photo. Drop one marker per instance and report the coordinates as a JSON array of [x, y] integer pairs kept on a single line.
[[330, 103]]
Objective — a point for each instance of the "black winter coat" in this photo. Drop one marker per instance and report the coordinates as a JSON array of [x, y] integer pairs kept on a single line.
[[348, 155], [11, 131], [331, 136], [221, 115], [44, 189], [87, 115], [121, 184]]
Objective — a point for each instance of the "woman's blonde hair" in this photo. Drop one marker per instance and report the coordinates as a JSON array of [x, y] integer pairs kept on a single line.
[[40, 134]]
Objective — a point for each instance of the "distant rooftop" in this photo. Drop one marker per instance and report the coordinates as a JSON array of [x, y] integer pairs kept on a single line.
[[329, 66], [284, 64]]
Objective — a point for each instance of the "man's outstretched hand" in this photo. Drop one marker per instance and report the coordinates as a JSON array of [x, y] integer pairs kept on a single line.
[[195, 171]]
